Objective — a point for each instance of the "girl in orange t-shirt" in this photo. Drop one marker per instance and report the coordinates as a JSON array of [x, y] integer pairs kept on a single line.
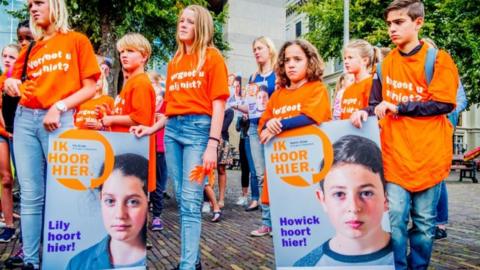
[[9, 56], [302, 99], [60, 74], [196, 91], [360, 58]]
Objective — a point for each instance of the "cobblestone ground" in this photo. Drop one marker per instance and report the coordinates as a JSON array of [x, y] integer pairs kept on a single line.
[[227, 245]]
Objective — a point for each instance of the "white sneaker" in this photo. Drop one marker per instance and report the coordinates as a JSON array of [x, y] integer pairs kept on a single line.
[[206, 207], [242, 201]]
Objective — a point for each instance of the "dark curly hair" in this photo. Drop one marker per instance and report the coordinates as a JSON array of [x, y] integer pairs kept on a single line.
[[315, 64]]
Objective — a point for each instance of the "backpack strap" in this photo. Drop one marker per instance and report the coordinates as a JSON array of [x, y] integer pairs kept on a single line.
[[430, 64], [24, 69]]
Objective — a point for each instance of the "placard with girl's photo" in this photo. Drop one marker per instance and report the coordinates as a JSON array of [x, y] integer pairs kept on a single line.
[[96, 201]]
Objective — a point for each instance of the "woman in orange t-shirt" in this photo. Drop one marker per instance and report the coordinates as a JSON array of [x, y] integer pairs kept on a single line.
[[360, 58], [196, 91], [60, 74]]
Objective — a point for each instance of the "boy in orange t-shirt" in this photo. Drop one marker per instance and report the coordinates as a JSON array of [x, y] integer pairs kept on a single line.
[[136, 102], [415, 133]]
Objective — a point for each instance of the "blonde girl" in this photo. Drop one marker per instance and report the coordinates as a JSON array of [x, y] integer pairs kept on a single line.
[[48, 96], [196, 91], [359, 58]]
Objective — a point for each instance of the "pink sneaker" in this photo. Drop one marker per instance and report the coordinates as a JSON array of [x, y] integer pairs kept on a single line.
[[262, 231]]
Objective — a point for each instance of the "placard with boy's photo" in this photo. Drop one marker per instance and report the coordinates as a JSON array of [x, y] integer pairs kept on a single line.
[[328, 201], [96, 201], [256, 97]]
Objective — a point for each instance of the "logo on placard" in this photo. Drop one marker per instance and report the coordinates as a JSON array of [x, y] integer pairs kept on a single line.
[[291, 164], [69, 166]]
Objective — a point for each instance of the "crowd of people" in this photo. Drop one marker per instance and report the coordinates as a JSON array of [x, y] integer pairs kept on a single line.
[[58, 81]]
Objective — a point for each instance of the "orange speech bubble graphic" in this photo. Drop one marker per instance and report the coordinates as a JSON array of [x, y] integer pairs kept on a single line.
[[298, 180], [77, 134]]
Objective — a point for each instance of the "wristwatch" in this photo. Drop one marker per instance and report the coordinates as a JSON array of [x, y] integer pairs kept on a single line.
[[61, 106]]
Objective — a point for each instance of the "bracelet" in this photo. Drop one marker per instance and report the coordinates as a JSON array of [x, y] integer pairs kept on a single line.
[[214, 139]]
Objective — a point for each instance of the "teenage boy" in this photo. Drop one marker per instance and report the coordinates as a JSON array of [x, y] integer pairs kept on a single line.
[[415, 133]]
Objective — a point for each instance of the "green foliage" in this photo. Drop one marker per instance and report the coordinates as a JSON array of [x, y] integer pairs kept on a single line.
[[104, 21], [453, 24]]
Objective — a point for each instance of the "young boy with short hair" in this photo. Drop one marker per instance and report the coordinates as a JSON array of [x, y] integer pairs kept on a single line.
[[415, 133], [135, 105], [353, 196]]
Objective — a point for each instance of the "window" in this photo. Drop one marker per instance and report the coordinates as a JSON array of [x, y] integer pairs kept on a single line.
[[337, 65], [298, 29], [458, 147]]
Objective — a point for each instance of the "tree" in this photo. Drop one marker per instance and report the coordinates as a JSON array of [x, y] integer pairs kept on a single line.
[[456, 32], [105, 21]]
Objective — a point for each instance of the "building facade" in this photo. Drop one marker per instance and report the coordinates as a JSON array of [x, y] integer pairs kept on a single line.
[[249, 19]]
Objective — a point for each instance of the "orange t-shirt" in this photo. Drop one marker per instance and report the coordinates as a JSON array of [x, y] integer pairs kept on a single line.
[[87, 111], [311, 99], [417, 151], [191, 92], [137, 100], [57, 66], [355, 97]]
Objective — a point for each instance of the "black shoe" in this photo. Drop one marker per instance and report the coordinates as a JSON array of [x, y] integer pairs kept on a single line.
[[28, 266], [250, 209], [14, 261], [440, 233]]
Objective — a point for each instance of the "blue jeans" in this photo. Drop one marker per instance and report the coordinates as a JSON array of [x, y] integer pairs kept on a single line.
[[253, 178], [258, 157], [442, 206], [422, 207], [31, 149], [186, 139]]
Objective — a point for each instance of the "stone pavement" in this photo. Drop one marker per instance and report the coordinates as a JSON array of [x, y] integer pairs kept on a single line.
[[227, 245]]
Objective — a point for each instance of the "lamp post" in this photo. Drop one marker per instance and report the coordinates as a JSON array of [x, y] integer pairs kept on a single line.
[[346, 7]]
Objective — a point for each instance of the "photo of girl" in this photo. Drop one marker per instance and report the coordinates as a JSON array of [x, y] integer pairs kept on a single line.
[[353, 196], [124, 206]]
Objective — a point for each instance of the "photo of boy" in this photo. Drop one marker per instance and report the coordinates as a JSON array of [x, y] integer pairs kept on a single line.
[[353, 196], [262, 99]]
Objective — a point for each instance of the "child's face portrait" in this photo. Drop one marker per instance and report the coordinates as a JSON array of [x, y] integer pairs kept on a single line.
[[262, 100], [354, 199], [124, 206], [353, 61], [9, 56], [131, 59], [186, 26], [24, 36], [401, 28], [295, 63]]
